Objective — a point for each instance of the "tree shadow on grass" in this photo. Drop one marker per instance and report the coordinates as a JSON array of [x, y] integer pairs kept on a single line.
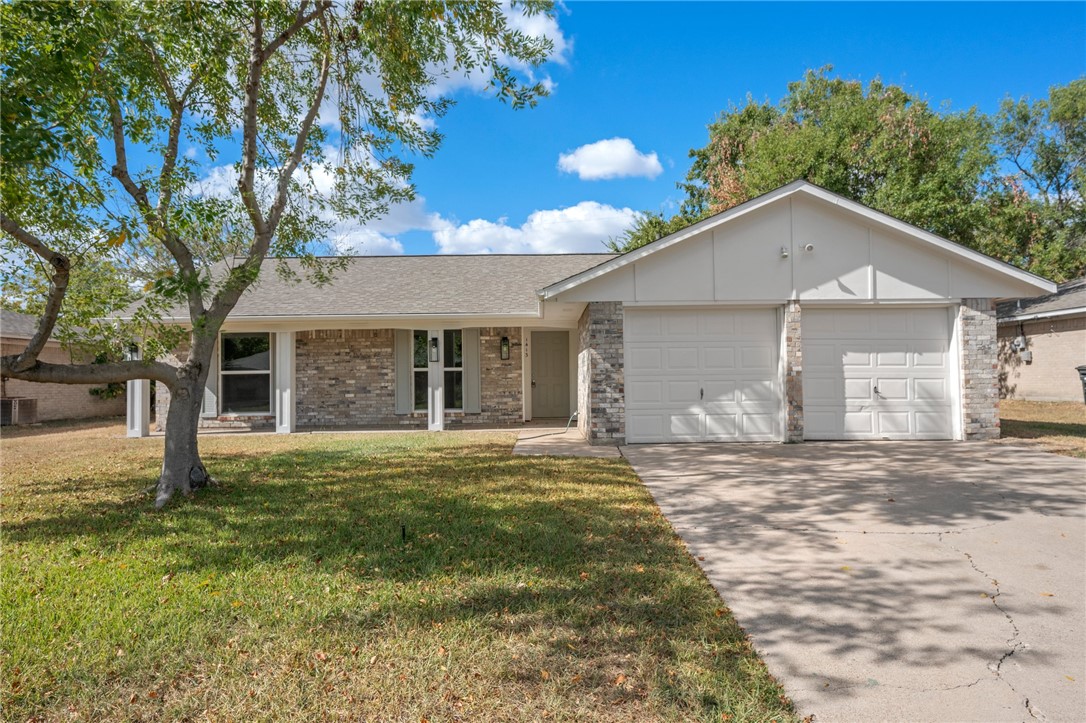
[[565, 552]]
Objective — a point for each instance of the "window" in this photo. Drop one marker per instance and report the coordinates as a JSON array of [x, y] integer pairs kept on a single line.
[[454, 369], [246, 373], [452, 360], [421, 366]]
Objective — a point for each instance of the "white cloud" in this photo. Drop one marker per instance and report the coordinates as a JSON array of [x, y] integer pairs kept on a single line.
[[611, 158], [575, 229], [347, 236], [536, 26]]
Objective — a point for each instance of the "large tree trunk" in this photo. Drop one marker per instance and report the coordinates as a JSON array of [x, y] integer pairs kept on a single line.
[[182, 469]]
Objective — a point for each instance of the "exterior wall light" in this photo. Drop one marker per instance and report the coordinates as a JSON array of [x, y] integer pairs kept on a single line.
[[505, 348], [435, 350]]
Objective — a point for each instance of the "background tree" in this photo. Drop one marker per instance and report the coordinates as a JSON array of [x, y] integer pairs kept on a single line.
[[98, 100], [891, 150], [1037, 203]]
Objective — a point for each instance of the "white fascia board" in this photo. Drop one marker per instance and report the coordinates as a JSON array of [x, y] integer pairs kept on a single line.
[[302, 319], [882, 219], [1043, 315], [668, 241]]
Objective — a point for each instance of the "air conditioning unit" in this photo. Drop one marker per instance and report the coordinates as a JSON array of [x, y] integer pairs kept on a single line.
[[18, 410]]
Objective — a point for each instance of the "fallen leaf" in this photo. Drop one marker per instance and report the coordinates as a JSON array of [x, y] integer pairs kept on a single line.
[[846, 568], [1047, 594], [236, 604], [545, 675], [584, 575], [620, 679], [320, 656], [442, 651], [701, 558], [152, 694], [1069, 678], [889, 499]]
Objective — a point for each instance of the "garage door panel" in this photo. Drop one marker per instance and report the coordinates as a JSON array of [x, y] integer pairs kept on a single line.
[[757, 357], [859, 422], [856, 357], [722, 426], [682, 392], [893, 422], [856, 390], [679, 358], [757, 390], [932, 423], [686, 426], [719, 367], [682, 324], [762, 425], [894, 358], [719, 358], [905, 356], [722, 391], [644, 359], [931, 390], [647, 392]]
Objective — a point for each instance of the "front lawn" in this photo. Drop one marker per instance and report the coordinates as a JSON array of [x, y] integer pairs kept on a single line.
[[526, 588], [1059, 427]]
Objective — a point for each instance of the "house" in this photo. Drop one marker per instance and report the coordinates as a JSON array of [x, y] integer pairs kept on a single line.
[[28, 402], [1041, 342], [796, 315]]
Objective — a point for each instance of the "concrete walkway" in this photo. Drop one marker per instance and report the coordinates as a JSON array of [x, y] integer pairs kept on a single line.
[[894, 581], [559, 443]]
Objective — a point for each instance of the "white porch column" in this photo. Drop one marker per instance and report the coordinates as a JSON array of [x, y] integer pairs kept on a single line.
[[138, 412], [436, 406], [285, 401]]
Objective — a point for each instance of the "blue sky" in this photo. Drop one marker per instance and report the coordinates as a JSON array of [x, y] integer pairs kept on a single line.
[[657, 73]]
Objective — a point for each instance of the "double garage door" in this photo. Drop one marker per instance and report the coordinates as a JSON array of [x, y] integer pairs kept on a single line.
[[714, 374]]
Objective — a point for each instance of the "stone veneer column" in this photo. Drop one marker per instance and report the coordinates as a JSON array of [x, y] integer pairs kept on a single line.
[[979, 369], [601, 391], [793, 380]]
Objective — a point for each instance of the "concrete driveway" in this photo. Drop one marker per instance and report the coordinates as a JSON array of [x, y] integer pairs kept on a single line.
[[894, 581]]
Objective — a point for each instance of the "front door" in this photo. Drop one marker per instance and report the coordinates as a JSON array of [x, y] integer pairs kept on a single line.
[[550, 374]]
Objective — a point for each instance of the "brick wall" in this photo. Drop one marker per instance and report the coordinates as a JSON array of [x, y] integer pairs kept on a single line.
[[1058, 346], [793, 379], [979, 370], [347, 378], [601, 393], [59, 401]]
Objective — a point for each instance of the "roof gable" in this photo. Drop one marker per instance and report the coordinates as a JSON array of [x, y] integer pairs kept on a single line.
[[767, 235]]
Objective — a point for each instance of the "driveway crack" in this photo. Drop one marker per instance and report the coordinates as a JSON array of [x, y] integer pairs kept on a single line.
[[1014, 642]]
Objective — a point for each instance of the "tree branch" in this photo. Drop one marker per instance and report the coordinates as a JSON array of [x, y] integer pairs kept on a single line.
[[58, 287], [108, 373], [301, 19], [285, 175], [155, 223], [248, 124], [120, 168]]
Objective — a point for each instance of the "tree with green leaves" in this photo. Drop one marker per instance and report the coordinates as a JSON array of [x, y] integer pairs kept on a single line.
[[98, 101], [1037, 204], [889, 149]]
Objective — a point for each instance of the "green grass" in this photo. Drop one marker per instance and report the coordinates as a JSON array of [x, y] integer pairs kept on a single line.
[[527, 588], [1058, 427]]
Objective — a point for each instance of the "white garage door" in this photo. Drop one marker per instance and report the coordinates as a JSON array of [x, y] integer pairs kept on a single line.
[[877, 374], [702, 375]]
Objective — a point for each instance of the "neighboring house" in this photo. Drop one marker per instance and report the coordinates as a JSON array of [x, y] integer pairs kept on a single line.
[[1041, 342], [46, 402], [797, 315]]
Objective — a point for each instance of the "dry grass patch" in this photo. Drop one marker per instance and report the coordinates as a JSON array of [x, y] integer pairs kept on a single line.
[[526, 588], [1059, 427]]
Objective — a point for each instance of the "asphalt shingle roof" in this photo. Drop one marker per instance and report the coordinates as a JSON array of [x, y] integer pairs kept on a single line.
[[14, 325], [1069, 295], [424, 285]]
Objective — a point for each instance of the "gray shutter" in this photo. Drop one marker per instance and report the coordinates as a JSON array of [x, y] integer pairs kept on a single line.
[[472, 372], [210, 406], [404, 371]]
